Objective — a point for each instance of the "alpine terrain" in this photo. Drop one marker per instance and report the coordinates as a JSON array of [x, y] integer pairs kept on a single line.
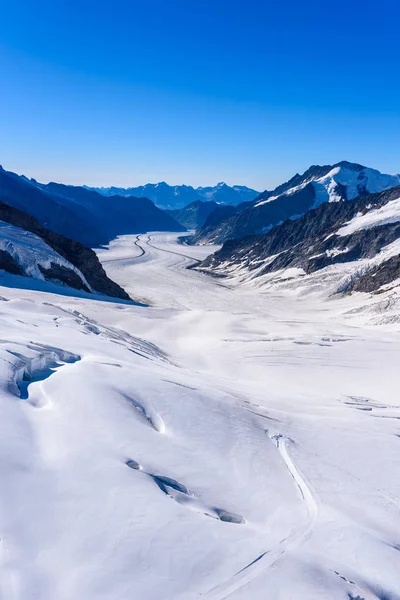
[[330, 183], [174, 197], [81, 214], [207, 420]]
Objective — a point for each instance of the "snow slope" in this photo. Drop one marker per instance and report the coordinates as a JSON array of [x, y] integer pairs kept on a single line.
[[389, 213], [224, 442], [30, 252], [362, 180]]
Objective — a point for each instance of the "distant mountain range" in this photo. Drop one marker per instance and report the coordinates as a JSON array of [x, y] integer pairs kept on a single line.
[[82, 214], [319, 184], [341, 214], [178, 196], [194, 215]]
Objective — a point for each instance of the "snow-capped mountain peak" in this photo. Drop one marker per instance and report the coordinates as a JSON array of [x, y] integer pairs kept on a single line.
[[346, 181], [342, 181], [172, 197]]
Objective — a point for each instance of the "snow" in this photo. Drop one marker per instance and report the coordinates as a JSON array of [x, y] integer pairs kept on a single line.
[[270, 199], [326, 189], [30, 251], [355, 181], [336, 251], [225, 441], [388, 213]]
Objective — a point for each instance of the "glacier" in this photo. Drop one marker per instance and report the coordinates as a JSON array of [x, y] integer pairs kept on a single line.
[[230, 439]]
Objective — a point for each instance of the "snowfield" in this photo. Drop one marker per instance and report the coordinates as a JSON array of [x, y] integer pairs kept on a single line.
[[224, 441], [388, 213]]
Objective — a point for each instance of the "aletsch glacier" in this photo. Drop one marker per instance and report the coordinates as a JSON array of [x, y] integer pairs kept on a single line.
[[232, 437]]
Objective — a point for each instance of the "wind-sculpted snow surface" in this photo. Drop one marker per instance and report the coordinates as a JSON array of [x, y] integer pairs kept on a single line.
[[223, 441]]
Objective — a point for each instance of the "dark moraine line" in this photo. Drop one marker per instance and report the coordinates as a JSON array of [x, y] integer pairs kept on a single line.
[[143, 251], [195, 260]]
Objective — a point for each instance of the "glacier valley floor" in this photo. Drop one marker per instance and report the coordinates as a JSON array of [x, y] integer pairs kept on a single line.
[[222, 441]]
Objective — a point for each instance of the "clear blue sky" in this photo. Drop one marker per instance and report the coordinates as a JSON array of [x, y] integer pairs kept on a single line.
[[197, 91]]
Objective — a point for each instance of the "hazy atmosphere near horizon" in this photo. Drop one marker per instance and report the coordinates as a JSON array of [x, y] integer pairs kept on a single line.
[[199, 300], [197, 92]]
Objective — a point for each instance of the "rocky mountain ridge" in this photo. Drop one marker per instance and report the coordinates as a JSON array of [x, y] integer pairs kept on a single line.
[[81, 214], [194, 215], [27, 248], [172, 197], [364, 233], [330, 183]]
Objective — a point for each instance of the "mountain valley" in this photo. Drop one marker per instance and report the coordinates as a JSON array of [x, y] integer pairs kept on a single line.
[[210, 420]]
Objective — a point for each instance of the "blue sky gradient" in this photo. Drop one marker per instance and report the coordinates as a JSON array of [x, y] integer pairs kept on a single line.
[[188, 91]]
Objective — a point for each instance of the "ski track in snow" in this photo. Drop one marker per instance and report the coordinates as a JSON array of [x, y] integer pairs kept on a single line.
[[156, 418], [269, 557]]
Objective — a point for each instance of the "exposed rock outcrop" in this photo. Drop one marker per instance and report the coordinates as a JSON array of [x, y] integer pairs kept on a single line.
[[77, 254], [319, 184], [316, 240], [9, 264], [377, 277]]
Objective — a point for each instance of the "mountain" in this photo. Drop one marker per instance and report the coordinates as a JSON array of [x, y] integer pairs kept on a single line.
[[117, 215], [362, 236], [82, 214], [51, 212], [163, 195], [224, 194], [194, 215], [319, 184], [174, 197], [29, 249]]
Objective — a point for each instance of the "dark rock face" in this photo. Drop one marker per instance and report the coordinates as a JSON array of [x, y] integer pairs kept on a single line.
[[210, 228], [310, 242], [194, 215], [9, 264], [378, 276], [76, 253], [85, 259], [58, 273], [252, 219], [365, 243]]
